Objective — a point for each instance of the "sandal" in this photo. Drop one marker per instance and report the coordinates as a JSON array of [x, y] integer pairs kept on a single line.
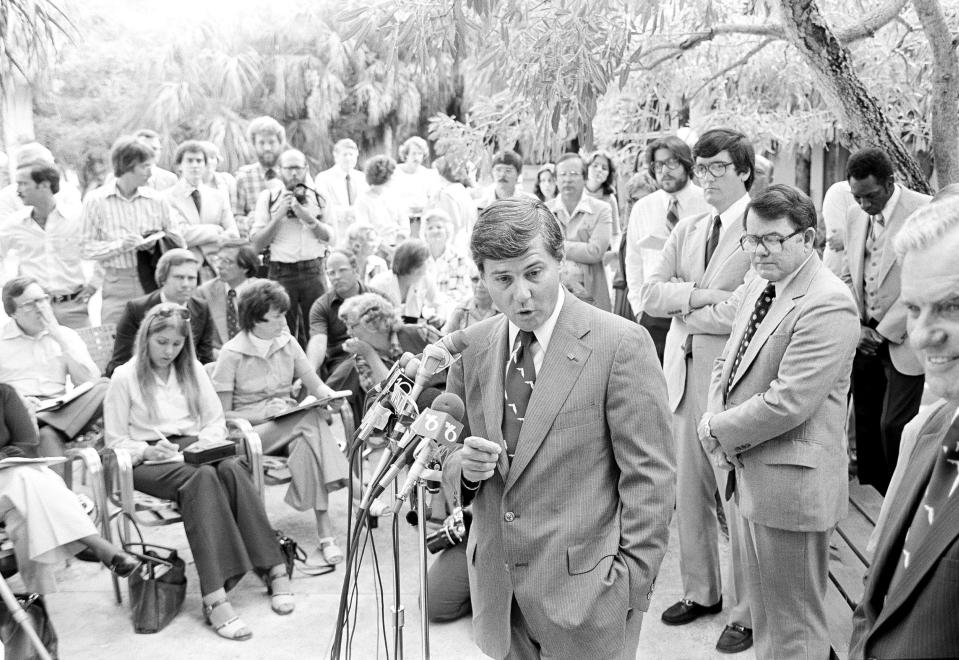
[[226, 624], [331, 552], [280, 591]]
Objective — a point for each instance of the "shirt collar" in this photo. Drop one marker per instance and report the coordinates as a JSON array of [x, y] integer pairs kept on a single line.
[[545, 331], [243, 343], [12, 330], [784, 282], [735, 212], [890, 206]]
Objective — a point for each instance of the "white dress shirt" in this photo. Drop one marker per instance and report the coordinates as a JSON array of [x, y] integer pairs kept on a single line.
[[50, 254], [543, 333]]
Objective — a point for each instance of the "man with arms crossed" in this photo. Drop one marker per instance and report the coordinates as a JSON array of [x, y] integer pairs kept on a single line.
[[701, 265], [568, 460], [776, 416]]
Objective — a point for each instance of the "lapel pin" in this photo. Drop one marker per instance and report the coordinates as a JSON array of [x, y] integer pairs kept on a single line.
[[571, 357]]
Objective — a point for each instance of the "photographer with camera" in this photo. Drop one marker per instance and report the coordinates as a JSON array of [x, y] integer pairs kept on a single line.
[[290, 222], [448, 577]]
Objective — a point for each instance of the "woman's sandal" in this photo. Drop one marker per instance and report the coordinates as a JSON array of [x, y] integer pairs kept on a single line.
[[281, 593], [226, 624], [331, 552]]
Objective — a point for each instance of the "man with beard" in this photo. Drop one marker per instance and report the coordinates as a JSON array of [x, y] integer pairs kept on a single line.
[[652, 219], [702, 264], [290, 222], [267, 137], [506, 168]]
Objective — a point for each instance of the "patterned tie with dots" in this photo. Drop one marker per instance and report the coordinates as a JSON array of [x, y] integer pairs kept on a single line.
[[672, 213], [232, 322], [520, 378], [943, 485], [759, 313]]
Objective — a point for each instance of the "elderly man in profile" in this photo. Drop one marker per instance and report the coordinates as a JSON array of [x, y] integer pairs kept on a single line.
[[911, 595]]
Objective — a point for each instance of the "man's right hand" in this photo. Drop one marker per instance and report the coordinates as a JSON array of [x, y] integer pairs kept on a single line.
[[281, 206], [163, 450], [869, 340], [479, 457]]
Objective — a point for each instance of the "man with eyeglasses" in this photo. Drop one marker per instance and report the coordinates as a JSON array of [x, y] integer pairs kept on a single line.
[[37, 354], [887, 380], [327, 329], [775, 421], [701, 265], [290, 222], [176, 275], [670, 162]]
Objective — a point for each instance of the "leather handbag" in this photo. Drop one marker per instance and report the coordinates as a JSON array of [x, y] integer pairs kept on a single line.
[[16, 643], [158, 587]]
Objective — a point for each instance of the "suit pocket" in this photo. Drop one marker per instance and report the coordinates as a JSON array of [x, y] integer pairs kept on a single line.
[[948, 570], [791, 452], [579, 417], [585, 557]]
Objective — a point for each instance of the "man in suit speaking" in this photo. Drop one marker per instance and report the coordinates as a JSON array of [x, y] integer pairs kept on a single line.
[[776, 416], [912, 590], [568, 460]]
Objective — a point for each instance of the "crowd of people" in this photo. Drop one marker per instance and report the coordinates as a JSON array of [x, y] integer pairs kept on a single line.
[[236, 296]]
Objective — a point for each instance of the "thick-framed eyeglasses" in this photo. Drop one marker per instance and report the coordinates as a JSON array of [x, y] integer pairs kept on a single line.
[[668, 164], [33, 305], [772, 242], [293, 168], [716, 169]]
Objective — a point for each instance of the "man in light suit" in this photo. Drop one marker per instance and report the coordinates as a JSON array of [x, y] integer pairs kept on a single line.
[[912, 589], [567, 462], [236, 263], [206, 219], [776, 417], [341, 185], [887, 378], [701, 265]]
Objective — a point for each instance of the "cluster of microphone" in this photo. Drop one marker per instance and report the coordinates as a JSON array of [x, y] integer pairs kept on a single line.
[[413, 436]]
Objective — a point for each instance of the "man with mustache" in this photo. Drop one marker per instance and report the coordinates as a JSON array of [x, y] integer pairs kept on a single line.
[[268, 137], [653, 217], [506, 168]]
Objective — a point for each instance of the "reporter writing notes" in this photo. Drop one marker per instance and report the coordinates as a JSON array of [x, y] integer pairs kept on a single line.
[[571, 480], [163, 390]]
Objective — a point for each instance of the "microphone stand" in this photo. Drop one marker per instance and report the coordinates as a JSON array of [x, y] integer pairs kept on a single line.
[[399, 615], [433, 475]]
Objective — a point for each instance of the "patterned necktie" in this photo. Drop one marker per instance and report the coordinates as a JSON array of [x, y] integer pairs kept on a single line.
[[195, 195], [943, 485], [713, 239], [520, 377], [232, 322], [876, 224], [672, 214], [763, 303], [350, 190]]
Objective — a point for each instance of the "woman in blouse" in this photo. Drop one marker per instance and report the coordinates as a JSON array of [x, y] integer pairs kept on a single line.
[[379, 206], [601, 182], [44, 520], [254, 378], [407, 284], [545, 186], [161, 402]]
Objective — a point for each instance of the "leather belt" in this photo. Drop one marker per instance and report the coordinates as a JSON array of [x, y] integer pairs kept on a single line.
[[67, 297]]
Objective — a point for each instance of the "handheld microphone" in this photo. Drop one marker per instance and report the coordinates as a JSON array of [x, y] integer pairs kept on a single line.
[[438, 356], [444, 429], [375, 419], [439, 423]]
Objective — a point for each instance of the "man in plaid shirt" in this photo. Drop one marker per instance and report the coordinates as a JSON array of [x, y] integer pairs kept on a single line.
[[268, 138]]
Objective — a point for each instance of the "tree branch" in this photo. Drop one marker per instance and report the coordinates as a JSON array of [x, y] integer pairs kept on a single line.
[[738, 63]]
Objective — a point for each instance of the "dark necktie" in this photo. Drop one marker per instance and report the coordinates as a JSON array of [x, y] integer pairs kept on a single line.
[[672, 216], [195, 196], [520, 377], [350, 190], [713, 239], [763, 303], [270, 174], [943, 485], [232, 322]]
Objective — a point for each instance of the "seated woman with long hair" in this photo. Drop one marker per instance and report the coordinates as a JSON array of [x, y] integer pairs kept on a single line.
[[254, 378], [160, 402], [44, 520]]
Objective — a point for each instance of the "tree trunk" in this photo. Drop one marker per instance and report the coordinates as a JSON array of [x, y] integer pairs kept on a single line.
[[831, 64], [944, 125]]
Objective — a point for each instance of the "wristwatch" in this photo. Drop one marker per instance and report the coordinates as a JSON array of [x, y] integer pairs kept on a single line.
[[709, 430]]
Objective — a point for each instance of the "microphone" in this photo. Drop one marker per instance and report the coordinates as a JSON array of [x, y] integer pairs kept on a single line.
[[444, 429], [441, 422], [375, 419], [438, 356]]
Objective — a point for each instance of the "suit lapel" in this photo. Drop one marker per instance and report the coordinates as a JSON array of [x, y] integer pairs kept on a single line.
[[938, 539], [562, 364], [892, 228], [694, 248], [491, 386], [856, 250]]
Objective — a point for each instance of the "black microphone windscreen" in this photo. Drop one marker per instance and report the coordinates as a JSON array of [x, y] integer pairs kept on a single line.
[[427, 397]]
